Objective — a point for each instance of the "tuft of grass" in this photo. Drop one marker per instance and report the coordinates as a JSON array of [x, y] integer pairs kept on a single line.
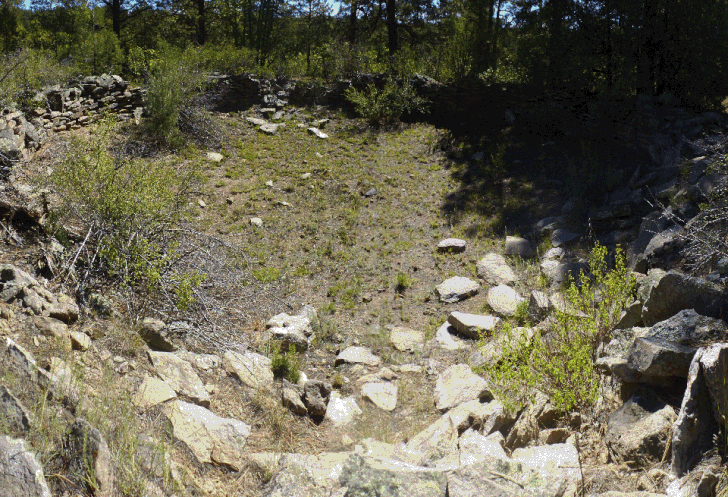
[[286, 364]]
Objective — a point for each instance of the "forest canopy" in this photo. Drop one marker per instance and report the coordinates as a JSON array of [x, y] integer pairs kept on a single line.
[[617, 47]]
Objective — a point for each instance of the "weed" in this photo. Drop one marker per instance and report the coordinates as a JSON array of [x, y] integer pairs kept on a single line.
[[521, 317], [561, 364], [402, 282], [267, 274], [285, 364]]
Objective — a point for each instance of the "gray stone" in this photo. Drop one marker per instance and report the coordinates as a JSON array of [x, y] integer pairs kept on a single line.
[[558, 273], [524, 431], [291, 399], [494, 270], [406, 339], [293, 330], [472, 325], [357, 355], [475, 448], [548, 459], [631, 316], [538, 306], [675, 291], [180, 375], [153, 392], [381, 394], [714, 365], [303, 475], [554, 254], [157, 335], [445, 340], [651, 358], [690, 329], [253, 370], [214, 157], [638, 432], [504, 300], [453, 245], [341, 411], [519, 247], [318, 133], [458, 384], [90, 457], [316, 395], [14, 417], [563, 237], [456, 289], [20, 473], [211, 438], [256, 121], [365, 477]]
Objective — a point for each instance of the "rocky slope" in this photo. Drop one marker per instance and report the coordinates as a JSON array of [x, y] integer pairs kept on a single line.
[[92, 405]]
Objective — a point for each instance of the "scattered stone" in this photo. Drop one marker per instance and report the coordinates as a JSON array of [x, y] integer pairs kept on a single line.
[[406, 339], [370, 477], [316, 395], [211, 438], [90, 457], [538, 306], [445, 339], [341, 411], [357, 355], [504, 300], [563, 237], [179, 375], [553, 459], [214, 157], [20, 473], [524, 431], [291, 398], [270, 128], [675, 291], [381, 394], [201, 203], [689, 328], [638, 432], [519, 247], [318, 133], [152, 392], [494, 269], [54, 329], [256, 121], [293, 330], [256, 221], [472, 325], [454, 245], [458, 384], [156, 334], [557, 272], [456, 289], [651, 358], [79, 340], [15, 417], [253, 370]]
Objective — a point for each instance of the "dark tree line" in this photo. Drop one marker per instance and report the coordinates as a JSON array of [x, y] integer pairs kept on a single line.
[[617, 46]]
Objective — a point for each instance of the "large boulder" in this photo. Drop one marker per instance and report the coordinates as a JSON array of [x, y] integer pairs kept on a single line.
[[690, 329], [495, 270], [253, 370], [638, 432], [180, 375], [675, 291], [211, 438], [20, 473], [458, 384]]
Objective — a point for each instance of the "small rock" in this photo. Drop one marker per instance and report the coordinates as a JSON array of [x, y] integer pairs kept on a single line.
[[80, 341], [316, 395], [454, 245], [256, 221], [20, 473], [341, 411], [494, 269], [318, 133], [152, 392], [357, 355], [214, 157], [291, 398], [406, 339], [519, 247], [253, 370], [504, 300], [382, 395], [91, 457], [445, 339], [456, 289], [458, 384], [179, 375], [201, 203], [472, 325]]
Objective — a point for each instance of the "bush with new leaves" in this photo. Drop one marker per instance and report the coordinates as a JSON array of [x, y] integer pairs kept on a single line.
[[388, 103], [560, 361]]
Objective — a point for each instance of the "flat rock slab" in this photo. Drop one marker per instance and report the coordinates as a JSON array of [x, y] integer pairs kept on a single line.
[[457, 385], [253, 370], [152, 392], [211, 439], [180, 375], [381, 394], [453, 245], [20, 473], [406, 339], [256, 121], [214, 157], [472, 325], [650, 358], [341, 411], [445, 340], [456, 289], [563, 237], [318, 133], [504, 300], [495, 270], [357, 355], [551, 459], [293, 330], [518, 246]]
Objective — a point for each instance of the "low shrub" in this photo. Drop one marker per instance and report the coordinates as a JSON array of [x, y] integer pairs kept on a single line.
[[560, 361], [387, 104], [286, 364]]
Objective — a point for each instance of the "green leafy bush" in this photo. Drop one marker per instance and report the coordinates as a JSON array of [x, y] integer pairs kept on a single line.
[[125, 208], [24, 72], [560, 361], [388, 103], [286, 364]]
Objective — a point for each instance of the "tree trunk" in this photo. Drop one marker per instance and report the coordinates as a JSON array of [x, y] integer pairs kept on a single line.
[[392, 26], [116, 17], [352, 22], [201, 34]]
